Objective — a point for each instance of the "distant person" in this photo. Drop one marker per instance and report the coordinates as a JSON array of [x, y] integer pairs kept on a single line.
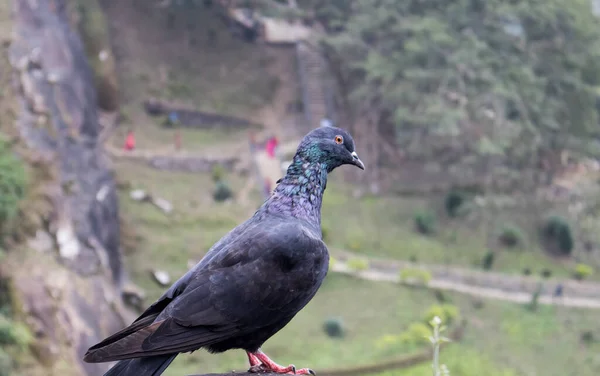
[[177, 140], [271, 146], [558, 292], [129, 141], [172, 119], [326, 122]]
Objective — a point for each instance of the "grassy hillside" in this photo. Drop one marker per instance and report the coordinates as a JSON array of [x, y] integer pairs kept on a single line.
[[178, 54], [502, 338]]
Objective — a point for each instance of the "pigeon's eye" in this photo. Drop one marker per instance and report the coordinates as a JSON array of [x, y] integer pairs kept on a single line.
[[339, 140]]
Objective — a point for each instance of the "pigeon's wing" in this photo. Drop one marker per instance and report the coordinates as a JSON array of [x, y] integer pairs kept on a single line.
[[260, 279]]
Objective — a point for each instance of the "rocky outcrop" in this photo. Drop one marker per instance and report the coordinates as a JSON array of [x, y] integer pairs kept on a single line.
[[70, 293]]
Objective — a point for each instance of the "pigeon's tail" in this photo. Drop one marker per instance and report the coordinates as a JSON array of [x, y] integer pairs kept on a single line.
[[150, 366]]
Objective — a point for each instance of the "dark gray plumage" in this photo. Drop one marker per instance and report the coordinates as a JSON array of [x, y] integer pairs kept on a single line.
[[251, 283]]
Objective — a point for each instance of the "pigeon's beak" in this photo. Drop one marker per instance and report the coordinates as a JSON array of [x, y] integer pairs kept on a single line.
[[356, 161]]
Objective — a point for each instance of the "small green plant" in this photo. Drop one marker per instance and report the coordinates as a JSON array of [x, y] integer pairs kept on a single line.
[[535, 297], [477, 303], [325, 233], [488, 260], [448, 313], [582, 271], [511, 236], [415, 275], [387, 340], [436, 340], [358, 264], [557, 231], [587, 337], [334, 327], [425, 222], [441, 296], [13, 333], [218, 172], [415, 334], [527, 271], [546, 273], [222, 191], [453, 202], [13, 182]]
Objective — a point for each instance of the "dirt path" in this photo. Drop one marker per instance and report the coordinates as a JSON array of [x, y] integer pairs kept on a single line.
[[498, 286]]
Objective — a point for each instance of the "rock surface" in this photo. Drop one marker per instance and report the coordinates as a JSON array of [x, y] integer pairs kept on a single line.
[[71, 294]]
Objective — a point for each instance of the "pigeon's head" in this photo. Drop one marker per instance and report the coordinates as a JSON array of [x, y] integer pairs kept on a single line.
[[330, 147]]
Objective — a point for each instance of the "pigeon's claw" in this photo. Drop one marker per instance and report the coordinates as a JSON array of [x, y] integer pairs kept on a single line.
[[305, 371], [267, 365]]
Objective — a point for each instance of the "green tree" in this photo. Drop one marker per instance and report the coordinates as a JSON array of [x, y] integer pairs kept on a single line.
[[515, 77]]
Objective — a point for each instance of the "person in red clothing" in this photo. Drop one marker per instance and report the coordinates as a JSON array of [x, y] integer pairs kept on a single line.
[[129, 141], [271, 145]]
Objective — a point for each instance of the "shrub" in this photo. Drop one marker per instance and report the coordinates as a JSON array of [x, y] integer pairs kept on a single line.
[[535, 297], [386, 341], [582, 271], [488, 260], [222, 191], [13, 182], [446, 312], [416, 334], [453, 202], [13, 333], [557, 230], [511, 236], [477, 303], [546, 273], [334, 327], [441, 296], [587, 337], [527, 271], [218, 172], [425, 222], [325, 233], [415, 275], [358, 264]]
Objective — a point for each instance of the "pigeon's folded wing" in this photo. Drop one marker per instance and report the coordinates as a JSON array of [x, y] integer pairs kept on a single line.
[[258, 280]]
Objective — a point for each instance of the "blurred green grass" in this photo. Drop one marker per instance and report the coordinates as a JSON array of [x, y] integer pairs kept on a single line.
[[501, 339]]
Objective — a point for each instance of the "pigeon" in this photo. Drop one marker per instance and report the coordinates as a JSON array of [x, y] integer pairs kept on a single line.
[[250, 284]]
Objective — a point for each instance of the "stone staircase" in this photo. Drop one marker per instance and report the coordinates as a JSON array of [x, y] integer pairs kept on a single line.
[[312, 77]]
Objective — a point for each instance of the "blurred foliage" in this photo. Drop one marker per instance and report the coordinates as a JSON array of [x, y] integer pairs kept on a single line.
[[511, 236], [546, 273], [453, 202], [557, 231], [13, 333], [13, 182], [535, 297], [448, 313], [521, 76], [419, 276], [425, 222], [334, 327], [488, 260], [222, 191], [416, 334], [358, 264], [582, 271]]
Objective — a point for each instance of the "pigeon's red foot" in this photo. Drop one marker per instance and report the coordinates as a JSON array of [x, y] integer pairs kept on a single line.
[[261, 363]]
